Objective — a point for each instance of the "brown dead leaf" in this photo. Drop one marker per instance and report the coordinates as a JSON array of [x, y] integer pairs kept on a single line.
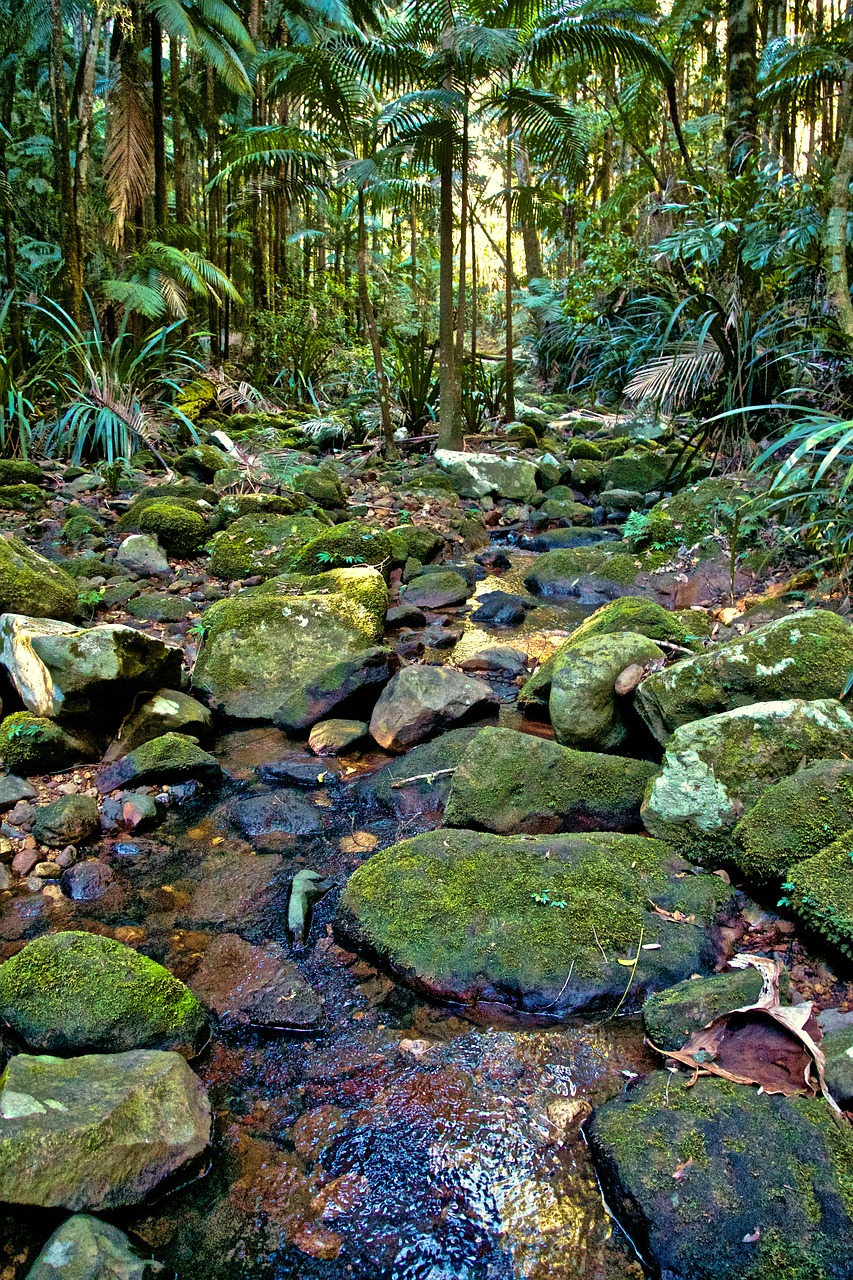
[[359, 842], [682, 1170], [754, 1237]]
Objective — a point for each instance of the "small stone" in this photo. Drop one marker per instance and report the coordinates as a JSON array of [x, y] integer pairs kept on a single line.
[[13, 789], [47, 870], [23, 862], [84, 1248], [328, 737], [501, 609], [73, 819], [5, 878], [87, 881], [143, 555]]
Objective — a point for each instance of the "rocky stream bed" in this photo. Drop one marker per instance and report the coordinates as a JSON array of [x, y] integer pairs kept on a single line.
[[445, 810]]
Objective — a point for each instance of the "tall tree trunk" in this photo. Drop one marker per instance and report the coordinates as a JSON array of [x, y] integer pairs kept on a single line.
[[85, 111], [389, 445], [510, 369], [69, 230], [463, 241], [212, 207], [529, 234], [741, 82], [449, 420], [179, 160], [835, 232], [473, 303], [158, 125], [413, 253]]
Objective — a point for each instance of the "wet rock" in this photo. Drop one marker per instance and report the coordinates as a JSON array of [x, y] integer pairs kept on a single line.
[[493, 559], [671, 1016], [591, 574], [166, 711], [421, 542], [262, 543], [499, 659], [837, 1045], [329, 737], [510, 782], [82, 993], [565, 540], [99, 1131], [266, 818], [421, 701], [237, 891], [418, 784], [32, 585], [71, 819], [13, 789], [585, 709], [764, 1193], [437, 590], [434, 637], [474, 475], [293, 660], [173, 757], [501, 609], [298, 773], [258, 986], [818, 890], [85, 1248], [87, 881], [806, 655], [405, 615], [567, 511], [527, 921], [715, 770], [137, 812], [62, 671]]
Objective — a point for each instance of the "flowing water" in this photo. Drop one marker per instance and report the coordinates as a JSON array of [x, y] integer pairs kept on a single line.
[[402, 1142]]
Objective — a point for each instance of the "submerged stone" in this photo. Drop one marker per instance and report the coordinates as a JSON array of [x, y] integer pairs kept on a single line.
[[765, 1193], [81, 993], [509, 782], [538, 923], [69, 820], [99, 1131], [257, 986]]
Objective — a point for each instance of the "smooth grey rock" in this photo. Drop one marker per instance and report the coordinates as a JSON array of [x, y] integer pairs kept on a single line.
[[142, 554], [421, 701], [475, 475]]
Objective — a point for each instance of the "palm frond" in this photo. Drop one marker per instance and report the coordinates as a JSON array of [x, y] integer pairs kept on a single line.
[[128, 158]]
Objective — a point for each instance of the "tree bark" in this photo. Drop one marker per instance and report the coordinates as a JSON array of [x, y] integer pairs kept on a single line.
[[389, 444], [529, 234], [449, 421], [69, 229], [179, 162], [835, 232], [741, 82], [510, 369], [158, 125]]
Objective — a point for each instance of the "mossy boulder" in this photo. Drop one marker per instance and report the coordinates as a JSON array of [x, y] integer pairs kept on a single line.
[[568, 512], [72, 819], [363, 594], [98, 1131], [527, 921], [202, 462], [586, 475], [837, 1046], [794, 819], [63, 671], [581, 448], [91, 1250], [233, 506], [715, 770], [421, 542], [588, 574], [804, 655], [160, 606], [644, 470], [80, 526], [478, 475], [701, 514], [586, 710], [82, 993], [33, 745], [437, 590], [820, 890], [322, 485], [510, 782], [21, 497], [32, 585], [672, 1015], [179, 530], [293, 659], [417, 784], [166, 711], [263, 544], [173, 757], [16, 471], [766, 1195], [344, 546]]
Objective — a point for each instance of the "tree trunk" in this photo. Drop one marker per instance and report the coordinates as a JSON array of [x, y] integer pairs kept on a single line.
[[85, 110], [212, 206], [741, 82], [529, 234], [510, 371], [389, 445], [158, 125], [835, 232], [179, 162], [69, 230], [449, 421]]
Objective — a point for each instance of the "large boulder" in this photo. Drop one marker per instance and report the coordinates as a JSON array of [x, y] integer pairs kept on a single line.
[[34, 586], [173, 757], [82, 993], [62, 671], [715, 770], [166, 711], [34, 745], [509, 782], [264, 543], [85, 1248], [437, 590], [794, 819], [591, 575], [479, 475], [99, 1131], [762, 1187], [289, 658], [345, 546], [417, 784], [805, 655], [543, 924], [421, 701], [820, 890], [587, 710]]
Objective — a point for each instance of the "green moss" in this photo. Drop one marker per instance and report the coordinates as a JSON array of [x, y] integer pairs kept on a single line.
[[262, 543], [794, 819], [179, 531], [522, 435], [419, 541], [362, 591], [321, 485], [672, 1015], [81, 993], [608, 562], [31, 585], [236, 505], [202, 462], [15, 471], [820, 889], [581, 448], [633, 613], [21, 497], [80, 527], [35, 745], [346, 545], [639, 469], [587, 475]]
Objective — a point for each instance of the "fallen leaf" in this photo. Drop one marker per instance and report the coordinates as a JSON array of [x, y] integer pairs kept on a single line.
[[359, 842], [682, 1170], [756, 1235]]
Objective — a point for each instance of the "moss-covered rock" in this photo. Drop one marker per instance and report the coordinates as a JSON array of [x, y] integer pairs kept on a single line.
[[166, 711], [202, 462], [173, 757], [16, 471], [581, 448], [263, 543], [21, 497], [81, 526], [321, 485], [159, 606], [805, 655], [292, 659], [345, 546], [672, 1015], [32, 585], [573, 513], [81, 993], [586, 475], [589, 574], [420, 542], [477, 475], [820, 890], [417, 784], [233, 506], [91, 1250], [510, 782], [700, 513], [179, 531], [644, 470], [363, 589], [72, 819], [527, 921], [715, 770], [730, 1217], [436, 590], [585, 709], [794, 819], [33, 745]]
